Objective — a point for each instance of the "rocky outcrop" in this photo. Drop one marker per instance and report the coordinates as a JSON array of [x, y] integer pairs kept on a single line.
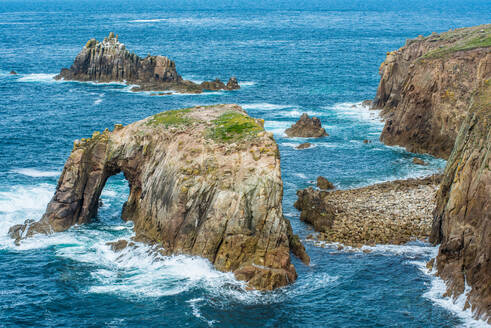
[[462, 218], [426, 87], [386, 213], [203, 181], [306, 127], [110, 61]]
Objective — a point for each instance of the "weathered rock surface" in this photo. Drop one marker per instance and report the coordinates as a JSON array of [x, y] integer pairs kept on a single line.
[[109, 61], [306, 127], [426, 87], [462, 218], [387, 213], [203, 181]]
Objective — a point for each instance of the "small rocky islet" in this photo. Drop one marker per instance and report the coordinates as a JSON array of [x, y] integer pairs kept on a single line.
[[219, 173], [110, 61]]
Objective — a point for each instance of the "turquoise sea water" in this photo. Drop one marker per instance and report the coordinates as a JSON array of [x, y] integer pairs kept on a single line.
[[319, 57]]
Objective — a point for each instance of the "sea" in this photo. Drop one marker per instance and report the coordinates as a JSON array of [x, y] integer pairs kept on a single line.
[[290, 57]]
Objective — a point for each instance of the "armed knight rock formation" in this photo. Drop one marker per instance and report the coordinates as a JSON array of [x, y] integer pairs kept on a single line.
[[426, 86], [462, 218], [109, 61], [203, 181]]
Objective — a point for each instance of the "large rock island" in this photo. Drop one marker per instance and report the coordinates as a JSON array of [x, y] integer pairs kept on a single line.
[[110, 61], [203, 181], [426, 88]]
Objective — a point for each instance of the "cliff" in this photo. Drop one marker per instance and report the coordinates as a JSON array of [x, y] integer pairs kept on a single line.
[[203, 181], [426, 86], [462, 218], [110, 61]]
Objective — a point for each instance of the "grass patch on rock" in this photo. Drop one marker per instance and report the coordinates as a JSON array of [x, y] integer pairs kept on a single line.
[[480, 38], [173, 117], [233, 126]]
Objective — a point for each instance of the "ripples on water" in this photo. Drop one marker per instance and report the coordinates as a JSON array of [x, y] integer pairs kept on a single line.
[[323, 63]]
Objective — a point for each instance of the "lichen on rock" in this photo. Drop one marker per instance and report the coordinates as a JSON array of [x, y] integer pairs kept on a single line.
[[189, 193]]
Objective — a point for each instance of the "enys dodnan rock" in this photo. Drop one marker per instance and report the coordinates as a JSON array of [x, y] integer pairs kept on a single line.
[[462, 218], [426, 87], [110, 61], [307, 127], [203, 181]]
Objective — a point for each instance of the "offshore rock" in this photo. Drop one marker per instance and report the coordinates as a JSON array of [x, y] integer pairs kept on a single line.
[[304, 145], [232, 84], [306, 127], [203, 181], [426, 87], [110, 61], [462, 218], [12, 72]]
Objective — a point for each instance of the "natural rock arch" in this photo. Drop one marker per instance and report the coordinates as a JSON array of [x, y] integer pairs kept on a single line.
[[203, 181]]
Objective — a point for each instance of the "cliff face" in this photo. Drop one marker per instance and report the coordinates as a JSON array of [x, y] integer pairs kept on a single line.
[[203, 181], [109, 61], [462, 218], [426, 87]]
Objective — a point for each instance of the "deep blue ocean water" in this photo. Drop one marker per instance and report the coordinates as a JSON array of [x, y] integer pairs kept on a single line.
[[319, 57]]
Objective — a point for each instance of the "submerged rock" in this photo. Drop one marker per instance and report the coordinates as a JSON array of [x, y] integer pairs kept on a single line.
[[110, 61], [306, 127], [367, 103], [462, 218], [426, 88], [12, 72], [203, 181]]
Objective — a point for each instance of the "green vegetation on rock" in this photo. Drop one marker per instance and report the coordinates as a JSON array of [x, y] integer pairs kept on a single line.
[[478, 38], [233, 126], [174, 117]]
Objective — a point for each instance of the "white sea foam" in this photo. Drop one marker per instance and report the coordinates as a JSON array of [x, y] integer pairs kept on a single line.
[[456, 306], [99, 100], [263, 106], [194, 303], [35, 173], [37, 77], [246, 83], [357, 111], [155, 20], [295, 145], [277, 127]]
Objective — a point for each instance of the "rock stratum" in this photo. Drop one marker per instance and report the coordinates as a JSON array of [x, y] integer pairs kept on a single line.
[[426, 88], [110, 61], [203, 181], [462, 218], [387, 213]]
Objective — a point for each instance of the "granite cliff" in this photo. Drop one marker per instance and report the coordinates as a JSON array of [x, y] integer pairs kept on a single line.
[[426, 87], [462, 218], [110, 61], [203, 181]]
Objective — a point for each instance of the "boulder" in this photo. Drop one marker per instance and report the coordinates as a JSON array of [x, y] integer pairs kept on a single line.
[[306, 127], [110, 61], [419, 161], [305, 145], [323, 183]]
